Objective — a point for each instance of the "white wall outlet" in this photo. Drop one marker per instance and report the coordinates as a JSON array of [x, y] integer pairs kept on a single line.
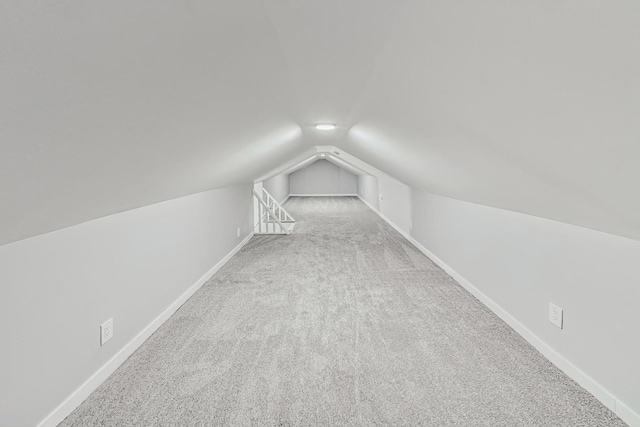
[[238, 232], [381, 197], [555, 315], [106, 331]]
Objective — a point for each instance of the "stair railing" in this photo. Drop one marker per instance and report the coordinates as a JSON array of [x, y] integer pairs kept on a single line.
[[277, 208], [269, 214]]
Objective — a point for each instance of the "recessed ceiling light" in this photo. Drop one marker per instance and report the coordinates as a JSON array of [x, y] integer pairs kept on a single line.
[[325, 126]]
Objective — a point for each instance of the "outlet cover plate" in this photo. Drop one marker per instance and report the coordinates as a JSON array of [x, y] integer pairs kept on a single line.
[[106, 331], [555, 315]]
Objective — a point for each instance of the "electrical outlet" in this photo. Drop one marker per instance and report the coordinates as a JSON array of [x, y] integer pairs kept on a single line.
[[555, 315], [381, 197], [238, 232], [106, 331]]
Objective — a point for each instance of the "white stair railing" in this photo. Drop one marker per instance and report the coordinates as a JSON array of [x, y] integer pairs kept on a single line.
[[277, 208], [272, 218]]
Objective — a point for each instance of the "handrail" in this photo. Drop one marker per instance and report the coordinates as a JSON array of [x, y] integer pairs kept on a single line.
[[270, 213], [279, 210]]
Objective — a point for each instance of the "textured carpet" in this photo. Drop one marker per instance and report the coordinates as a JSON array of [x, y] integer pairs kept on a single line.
[[341, 323]]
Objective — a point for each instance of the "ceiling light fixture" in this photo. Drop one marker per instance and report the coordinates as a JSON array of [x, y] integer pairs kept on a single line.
[[325, 126]]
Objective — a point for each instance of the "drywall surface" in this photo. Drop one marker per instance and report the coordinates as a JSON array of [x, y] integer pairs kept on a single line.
[[368, 190], [525, 106], [323, 178], [523, 263], [348, 182], [395, 202], [58, 288], [278, 186], [388, 197], [109, 107]]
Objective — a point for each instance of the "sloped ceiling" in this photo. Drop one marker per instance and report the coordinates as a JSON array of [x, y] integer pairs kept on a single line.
[[527, 106]]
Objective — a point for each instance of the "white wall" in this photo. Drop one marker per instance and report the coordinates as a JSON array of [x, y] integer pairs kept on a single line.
[[368, 190], [395, 202], [388, 197], [323, 178], [523, 263], [278, 186], [73, 78], [520, 105], [57, 289]]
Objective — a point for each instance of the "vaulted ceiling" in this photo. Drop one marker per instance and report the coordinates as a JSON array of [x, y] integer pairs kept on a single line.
[[522, 105]]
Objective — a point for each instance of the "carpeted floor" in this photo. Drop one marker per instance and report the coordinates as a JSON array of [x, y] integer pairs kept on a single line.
[[341, 323]]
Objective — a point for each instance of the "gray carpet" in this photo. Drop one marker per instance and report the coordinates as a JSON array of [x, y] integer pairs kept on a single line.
[[341, 323]]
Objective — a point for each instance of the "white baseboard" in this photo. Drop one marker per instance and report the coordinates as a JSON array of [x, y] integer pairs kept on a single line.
[[387, 220], [323, 195], [369, 205], [285, 199], [79, 396], [625, 413]]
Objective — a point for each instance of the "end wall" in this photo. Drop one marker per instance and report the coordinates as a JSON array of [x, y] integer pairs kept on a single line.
[[59, 287], [323, 178]]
